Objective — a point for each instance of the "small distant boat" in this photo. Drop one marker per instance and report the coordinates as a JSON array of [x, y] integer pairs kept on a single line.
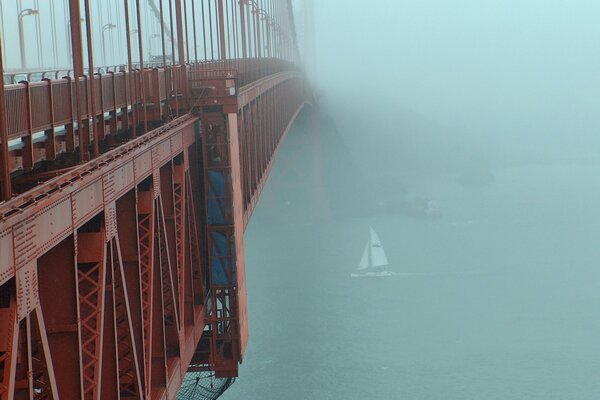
[[425, 208], [374, 261]]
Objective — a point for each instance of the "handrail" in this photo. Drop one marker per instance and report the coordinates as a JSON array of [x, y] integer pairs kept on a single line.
[[47, 110]]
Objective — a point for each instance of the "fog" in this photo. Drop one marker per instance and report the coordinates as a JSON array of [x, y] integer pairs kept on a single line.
[[454, 163], [465, 134], [512, 81]]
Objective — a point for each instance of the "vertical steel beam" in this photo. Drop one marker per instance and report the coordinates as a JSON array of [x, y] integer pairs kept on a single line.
[[130, 381], [6, 187], [92, 79], [187, 31], [50, 137], [60, 308], [164, 55], [145, 233], [76, 46], [27, 151], [204, 31], [141, 51], [243, 29], [131, 75], [222, 46], [9, 330], [194, 26], [173, 85], [179, 22], [110, 374], [168, 222], [92, 257], [127, 227], [158, 359], [257, 32]]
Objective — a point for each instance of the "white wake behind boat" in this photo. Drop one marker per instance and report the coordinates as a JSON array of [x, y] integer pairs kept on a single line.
[[374, 261]]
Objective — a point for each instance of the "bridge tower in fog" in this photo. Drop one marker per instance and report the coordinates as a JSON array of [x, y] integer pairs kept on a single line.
[[135, 139]]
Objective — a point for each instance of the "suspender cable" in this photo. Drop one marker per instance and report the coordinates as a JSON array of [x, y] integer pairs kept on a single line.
[[243, 30], [141, 50], [173, 85], [194, 27], [92, 80], [187, 32], [222, 49], [212, 52], [204, 31], [76, 46], [130, 69], [6, 192]]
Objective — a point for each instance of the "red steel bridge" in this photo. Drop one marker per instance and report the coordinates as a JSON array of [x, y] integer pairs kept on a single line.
[[125, 191]]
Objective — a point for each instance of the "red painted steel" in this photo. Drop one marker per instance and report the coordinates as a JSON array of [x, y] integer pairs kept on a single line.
[[108, 285]]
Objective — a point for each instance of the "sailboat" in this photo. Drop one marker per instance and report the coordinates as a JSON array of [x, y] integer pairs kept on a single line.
[[373, 261]]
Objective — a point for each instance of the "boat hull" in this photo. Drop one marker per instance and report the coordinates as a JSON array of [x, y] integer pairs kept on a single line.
[[372, 274]]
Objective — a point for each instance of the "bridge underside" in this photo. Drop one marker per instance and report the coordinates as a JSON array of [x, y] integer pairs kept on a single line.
[[120, 274]]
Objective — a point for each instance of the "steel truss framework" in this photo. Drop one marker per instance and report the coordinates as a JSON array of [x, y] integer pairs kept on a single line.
[[107, 287], [123, 207]]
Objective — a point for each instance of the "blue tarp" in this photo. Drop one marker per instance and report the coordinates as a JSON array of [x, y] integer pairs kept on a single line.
[[220, 263], [219, 198]]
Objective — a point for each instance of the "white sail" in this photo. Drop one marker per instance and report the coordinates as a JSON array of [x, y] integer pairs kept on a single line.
[[364, 261], [378, 258]]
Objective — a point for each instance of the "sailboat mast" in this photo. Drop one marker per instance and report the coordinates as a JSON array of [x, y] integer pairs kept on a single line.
[[370, 252]]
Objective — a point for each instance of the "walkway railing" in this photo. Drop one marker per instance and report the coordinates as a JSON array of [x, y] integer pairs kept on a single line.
[[42, 116]]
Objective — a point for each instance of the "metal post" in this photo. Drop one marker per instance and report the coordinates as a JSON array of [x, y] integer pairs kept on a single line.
[[141, 50], [204, 31], [222, 31], [257, 30], [76, 46], [268, 34], [179, 22], [162, 34], [6, 185], [173, 85], [164, 55], [194, 26], [105, 28], [24, 13], [187, 31], [130, 71], [92, 80]]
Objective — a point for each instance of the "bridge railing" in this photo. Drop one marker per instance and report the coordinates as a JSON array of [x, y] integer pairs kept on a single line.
[[42, 116], [37, 75]]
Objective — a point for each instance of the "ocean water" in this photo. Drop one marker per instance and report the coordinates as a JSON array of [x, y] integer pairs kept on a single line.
[[498, 299]]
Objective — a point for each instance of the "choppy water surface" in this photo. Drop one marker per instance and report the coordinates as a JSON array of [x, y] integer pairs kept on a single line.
[[500, 300]]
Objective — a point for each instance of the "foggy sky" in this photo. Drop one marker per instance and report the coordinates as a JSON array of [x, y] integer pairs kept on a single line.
[[507, 80], [515, 79]]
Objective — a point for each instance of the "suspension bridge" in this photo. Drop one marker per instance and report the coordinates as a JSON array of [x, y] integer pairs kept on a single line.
[[135, 139]]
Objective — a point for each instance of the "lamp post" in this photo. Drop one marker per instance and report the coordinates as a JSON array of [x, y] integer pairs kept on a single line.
[[105, 28], [153, 36], [24, 13]]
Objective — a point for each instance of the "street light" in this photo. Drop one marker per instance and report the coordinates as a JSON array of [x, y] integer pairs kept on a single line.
[[153, 36], [105, 28], [24, 13]]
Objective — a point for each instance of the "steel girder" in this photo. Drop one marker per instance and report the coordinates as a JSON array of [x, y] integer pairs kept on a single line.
[[108, 272]]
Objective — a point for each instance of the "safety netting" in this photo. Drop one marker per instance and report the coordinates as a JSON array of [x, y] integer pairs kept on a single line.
[[203, 385]]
